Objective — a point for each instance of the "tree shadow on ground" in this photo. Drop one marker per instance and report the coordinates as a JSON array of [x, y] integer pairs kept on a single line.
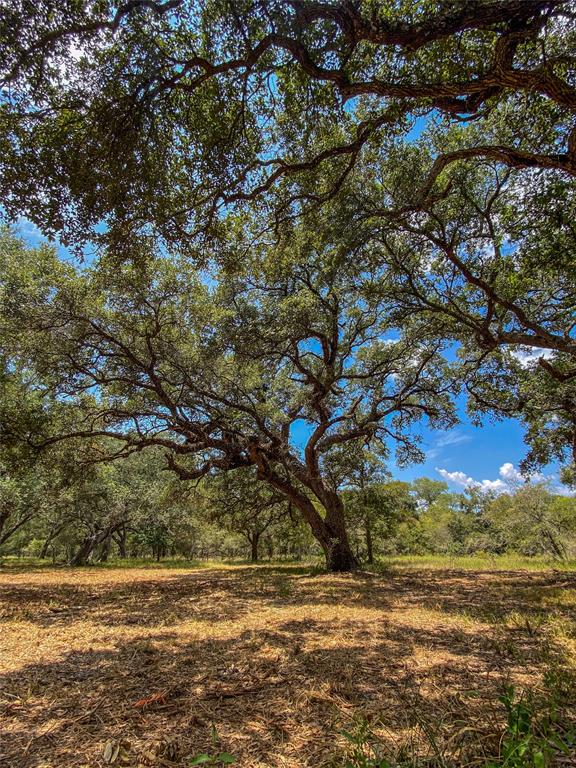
[[278, 662], [285, 693], [228, 594]]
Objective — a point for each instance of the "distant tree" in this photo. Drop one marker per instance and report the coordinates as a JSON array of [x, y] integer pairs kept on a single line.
[[428, 491], [239, 502], [357, 471], [533, 521], [98, 510], [21, 496], [437, 525], [380, 508], [34, 489]]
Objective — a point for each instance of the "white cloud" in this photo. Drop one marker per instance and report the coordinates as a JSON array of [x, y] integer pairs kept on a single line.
[[458, 478], [29, 230], [509, 472], [510, 477], [498, 486], [528, 356], [452, 437], [465, 481]]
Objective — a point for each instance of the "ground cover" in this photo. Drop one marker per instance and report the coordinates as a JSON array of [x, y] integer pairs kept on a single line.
[[273, 664]]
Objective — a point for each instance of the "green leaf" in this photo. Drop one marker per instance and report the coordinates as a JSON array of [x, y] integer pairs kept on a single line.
[[226, 757], [200, 759], [539, 761]]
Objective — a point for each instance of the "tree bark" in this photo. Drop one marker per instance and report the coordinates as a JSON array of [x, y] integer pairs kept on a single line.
[[120, 541], [329, 531], [89, 545], [254, 539], [339, 555], [84, 551], [104, 551], [369, 545]]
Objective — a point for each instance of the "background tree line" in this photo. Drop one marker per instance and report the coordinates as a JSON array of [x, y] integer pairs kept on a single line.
[[133, 509]]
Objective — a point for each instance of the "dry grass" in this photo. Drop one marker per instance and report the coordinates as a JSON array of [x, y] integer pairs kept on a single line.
[[269, 663]]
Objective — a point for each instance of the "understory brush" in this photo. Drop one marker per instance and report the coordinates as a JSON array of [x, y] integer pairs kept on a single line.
[[539, 732]]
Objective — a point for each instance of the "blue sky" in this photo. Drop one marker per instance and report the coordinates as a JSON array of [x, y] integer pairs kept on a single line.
[[478, 452], [488, 455]]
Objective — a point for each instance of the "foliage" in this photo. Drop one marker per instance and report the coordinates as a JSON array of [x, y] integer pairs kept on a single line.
[[363, 751], [222, 758], [532, 737], [376, 512], [533, 521], [488, 263], [535, 734], [217, 377], [240, 503], [170, 113]]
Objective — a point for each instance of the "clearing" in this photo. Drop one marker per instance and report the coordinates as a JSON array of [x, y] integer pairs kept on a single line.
[[149, 666]]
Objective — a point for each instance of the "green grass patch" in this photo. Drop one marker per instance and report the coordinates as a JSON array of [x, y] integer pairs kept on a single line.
[[507, 562]]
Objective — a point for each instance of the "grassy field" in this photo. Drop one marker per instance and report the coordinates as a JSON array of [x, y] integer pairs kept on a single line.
[[276, 664]]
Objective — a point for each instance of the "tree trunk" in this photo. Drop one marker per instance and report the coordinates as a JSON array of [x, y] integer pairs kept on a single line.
[[88, 546], [120, 541], [331, 533], [49, 539], [5, 532], [85, 550], [369, 545], [254, 539], [3, 519], [44, 550], [558, 550], [104, 551]]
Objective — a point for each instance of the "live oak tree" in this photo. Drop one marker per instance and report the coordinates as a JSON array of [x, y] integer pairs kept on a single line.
[[21, 498], [358, 471], [119, 119], [428, 491], [533, 521], [113, 502], [31, 487], [377, 509], [493, 257], [164, 114], [272, 369], [99, 509]]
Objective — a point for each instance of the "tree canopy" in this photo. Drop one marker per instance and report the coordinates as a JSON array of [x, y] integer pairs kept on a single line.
[[221, 374], [118, 117]]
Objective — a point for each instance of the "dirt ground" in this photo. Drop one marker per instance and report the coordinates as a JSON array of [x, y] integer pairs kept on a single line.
[[148, 667]]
